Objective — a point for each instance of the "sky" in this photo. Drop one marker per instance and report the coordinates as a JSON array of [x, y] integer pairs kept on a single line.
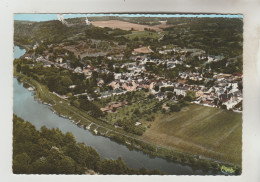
[[47, 17]]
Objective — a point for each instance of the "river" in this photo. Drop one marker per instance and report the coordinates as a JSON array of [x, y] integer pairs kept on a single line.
[[40, 115]]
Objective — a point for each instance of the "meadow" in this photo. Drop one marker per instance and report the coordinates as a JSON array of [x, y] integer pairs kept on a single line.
[[203, 131]]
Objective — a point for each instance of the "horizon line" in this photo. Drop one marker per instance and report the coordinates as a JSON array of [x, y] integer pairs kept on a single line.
[[38, 17]]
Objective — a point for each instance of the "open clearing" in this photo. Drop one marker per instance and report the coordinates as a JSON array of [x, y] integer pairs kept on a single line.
[[200, 130], [127, 25], [143, 34]]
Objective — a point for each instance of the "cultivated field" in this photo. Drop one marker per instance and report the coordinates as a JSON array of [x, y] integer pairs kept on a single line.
[[200, 130], [127, 25]]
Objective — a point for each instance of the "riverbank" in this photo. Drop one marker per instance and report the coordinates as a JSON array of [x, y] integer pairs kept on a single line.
[[97, 127]]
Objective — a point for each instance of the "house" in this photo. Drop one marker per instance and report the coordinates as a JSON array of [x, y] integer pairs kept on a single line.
[[232, 102], [160, 96], [100, 82], [180, 91], [162, 52], [130, 86], [47, 66], [199, 93], [112, 106], [35, 46], [177, 62], [87, 72], [59, 60], [170, 64], [114, 84], [117, 75], [78, 70], [72, 86], [137, 123], [131, 66], [146, 84], [225, 97]]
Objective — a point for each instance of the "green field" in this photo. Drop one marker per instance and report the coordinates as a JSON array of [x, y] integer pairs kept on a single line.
[[143, 34], [205, 131]]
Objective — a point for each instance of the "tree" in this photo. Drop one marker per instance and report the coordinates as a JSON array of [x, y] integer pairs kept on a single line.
[[94, 75], [69, 138], [25, 69], [175, 108], [240, 86], [191, 94], [156, 88], [113, 167], [170, 88], [59, 163], [76, 103], [151, 96], [87, 105], [66, 165], [223, 106], [162, 89], [163, 110], [21, 164], [53, 83], [88, 156], [169, 95], [187, 98], [60, 153], [66, 81], [137, 112], [18, 68]]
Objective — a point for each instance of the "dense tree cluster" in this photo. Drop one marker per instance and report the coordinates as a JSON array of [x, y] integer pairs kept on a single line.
[[59, 80], [49, 151], [214, 35], [82, 102], [28, 33], [182, 101], [129, 126], [227, 66], [56, 79]]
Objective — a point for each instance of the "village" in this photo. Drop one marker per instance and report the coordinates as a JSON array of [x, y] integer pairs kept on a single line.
[[225, 90]]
